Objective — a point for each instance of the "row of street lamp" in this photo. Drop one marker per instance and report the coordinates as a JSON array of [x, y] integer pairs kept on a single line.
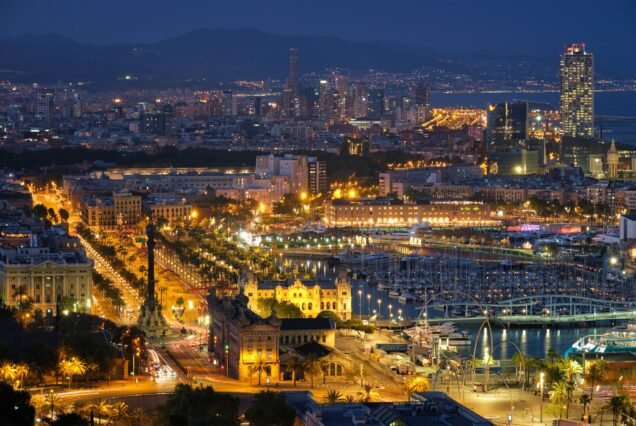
[[379, 310]]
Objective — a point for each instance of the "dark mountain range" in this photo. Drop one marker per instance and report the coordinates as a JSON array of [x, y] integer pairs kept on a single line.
[[204, 57]]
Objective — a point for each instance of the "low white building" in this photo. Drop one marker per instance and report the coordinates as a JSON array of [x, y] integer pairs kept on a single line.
[[627, 227]]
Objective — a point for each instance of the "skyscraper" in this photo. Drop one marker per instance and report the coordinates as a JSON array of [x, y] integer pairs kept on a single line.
[[375, 103], [422, 100], [507, 125], [577, 92], [293, 71], [44, 102]]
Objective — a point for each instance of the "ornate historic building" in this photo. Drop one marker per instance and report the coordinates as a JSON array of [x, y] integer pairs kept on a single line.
[[240, 339], [242, 344], [46, 276], [311, 296]]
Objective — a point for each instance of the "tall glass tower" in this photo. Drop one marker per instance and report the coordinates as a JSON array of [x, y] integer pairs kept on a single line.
[[293, 71], [577, 92]]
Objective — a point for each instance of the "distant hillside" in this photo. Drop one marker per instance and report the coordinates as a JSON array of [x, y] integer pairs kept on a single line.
[[213, 55]]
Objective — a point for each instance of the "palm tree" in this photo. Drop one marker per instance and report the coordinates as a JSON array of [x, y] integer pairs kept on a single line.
[[50, 404], [570, 367], [333, 396], [21, 370], [618, 405], [101, 408], [257, 368], [293, 365], [72, 367], [473, 363], [518, 359], [417, 383], [585, 400], [562, 395], [8, 372], [367, 394], [312, 367], [349, 399], [119, 410], [324, 367], [553, 355], [595, 374]]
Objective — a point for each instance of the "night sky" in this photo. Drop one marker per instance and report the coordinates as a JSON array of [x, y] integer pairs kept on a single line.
[[538, 27]]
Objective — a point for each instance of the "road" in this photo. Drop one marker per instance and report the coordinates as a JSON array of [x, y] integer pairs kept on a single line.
[[129, 294]]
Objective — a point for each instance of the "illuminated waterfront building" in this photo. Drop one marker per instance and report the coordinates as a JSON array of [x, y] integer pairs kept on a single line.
[[577, 92], [385, 212], [310, 296]]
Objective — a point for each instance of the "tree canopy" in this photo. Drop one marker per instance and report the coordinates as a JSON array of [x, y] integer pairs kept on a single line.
[[188, 406], [270, 409]]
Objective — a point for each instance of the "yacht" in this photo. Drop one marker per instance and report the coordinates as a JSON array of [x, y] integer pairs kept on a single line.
[[620, 339], [406, 297], [394, 294]]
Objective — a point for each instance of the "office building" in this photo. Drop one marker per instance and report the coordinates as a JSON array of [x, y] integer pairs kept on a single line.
[[507, 125], [375, 103], [293, 72], [152, 124], [317, 171], [44, 102], [516, 161], [577, 92], [229, 104], [422, 100]]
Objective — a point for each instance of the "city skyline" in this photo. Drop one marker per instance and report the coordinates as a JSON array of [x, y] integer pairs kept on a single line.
[[433, 26]]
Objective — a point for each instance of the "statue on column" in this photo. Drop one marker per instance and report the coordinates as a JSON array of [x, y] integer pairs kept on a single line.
[[151, 321]]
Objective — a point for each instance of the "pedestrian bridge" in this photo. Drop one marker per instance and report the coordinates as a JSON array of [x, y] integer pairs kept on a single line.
[[530, 310]]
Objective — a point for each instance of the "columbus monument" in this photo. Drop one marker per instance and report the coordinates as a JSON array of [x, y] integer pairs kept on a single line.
[[151, 321]]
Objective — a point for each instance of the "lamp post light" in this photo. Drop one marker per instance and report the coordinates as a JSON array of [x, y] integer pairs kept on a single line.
[[390, 311], [369, 304], [360, 303], [227, 360], [400, 314], [379, 308], [541, 379]]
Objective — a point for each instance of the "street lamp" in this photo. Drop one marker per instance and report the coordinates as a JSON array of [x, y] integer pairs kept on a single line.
[[227, 360], [541, 378], [390, 310], [379, 308], [360, 303], [369, 304]]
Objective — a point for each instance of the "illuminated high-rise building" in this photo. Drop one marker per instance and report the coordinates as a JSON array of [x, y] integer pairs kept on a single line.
[[577, 92], [375, 103], [293, 71], [44, 102]]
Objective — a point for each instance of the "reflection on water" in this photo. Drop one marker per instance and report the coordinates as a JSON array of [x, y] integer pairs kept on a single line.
[[533, 342]]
